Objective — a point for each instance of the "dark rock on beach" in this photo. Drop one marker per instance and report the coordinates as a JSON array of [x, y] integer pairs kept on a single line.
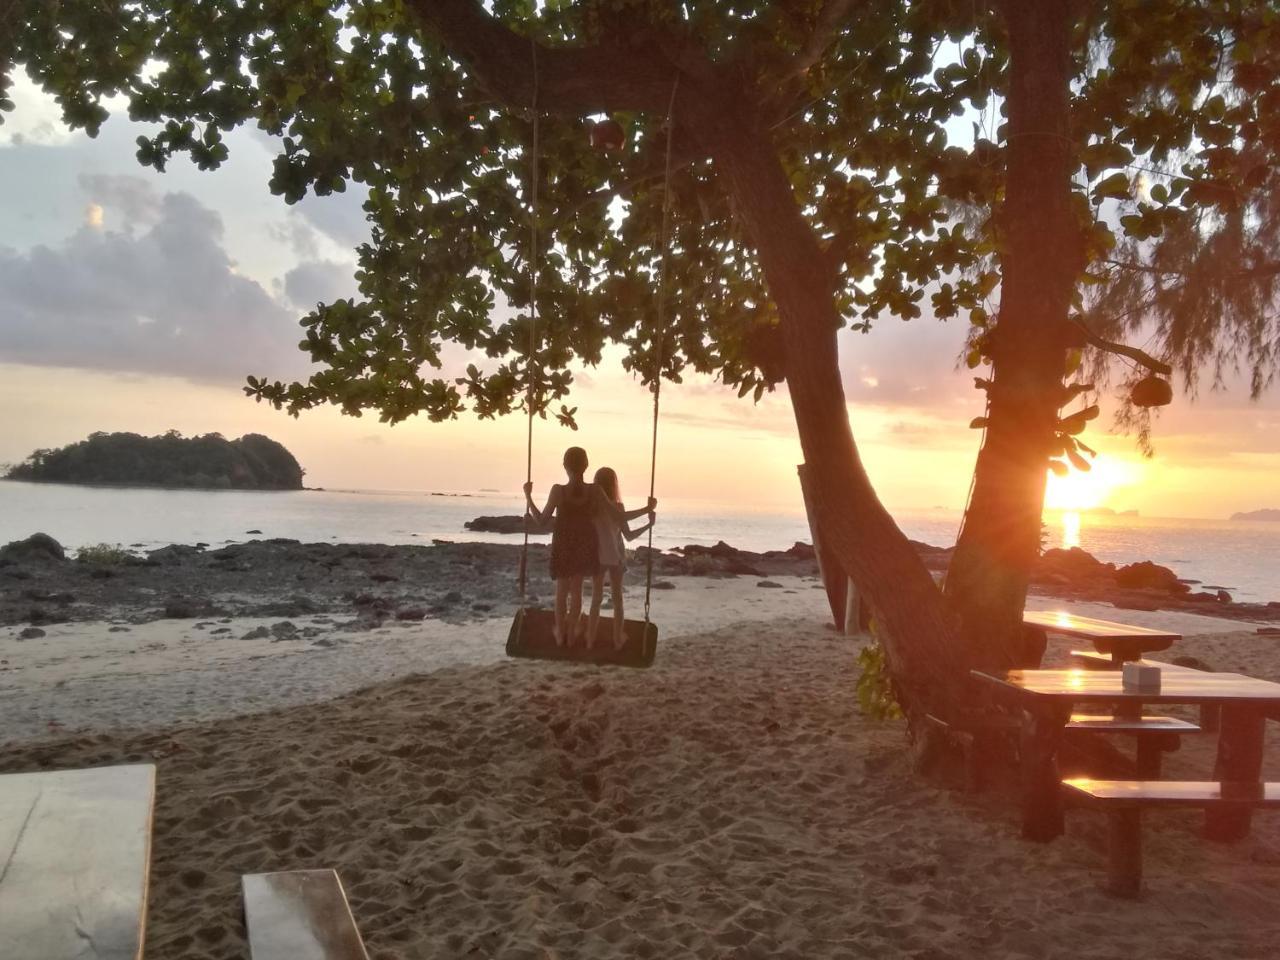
[[37, 548], [280, 579], [503, 524]]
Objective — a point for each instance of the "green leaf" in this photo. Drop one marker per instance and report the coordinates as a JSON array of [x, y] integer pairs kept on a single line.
[[1115, 187]]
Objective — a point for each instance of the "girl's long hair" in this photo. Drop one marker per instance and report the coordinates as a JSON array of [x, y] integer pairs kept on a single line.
[[607, 480]]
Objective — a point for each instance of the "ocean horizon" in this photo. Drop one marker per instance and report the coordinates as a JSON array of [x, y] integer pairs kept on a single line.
[[1235, 555]]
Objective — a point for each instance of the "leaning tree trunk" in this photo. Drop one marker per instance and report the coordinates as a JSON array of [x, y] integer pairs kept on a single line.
[[1040, 262], [918, 634]]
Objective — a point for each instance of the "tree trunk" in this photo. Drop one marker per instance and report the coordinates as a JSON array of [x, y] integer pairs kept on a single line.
[[1040, 261], [917, 631]]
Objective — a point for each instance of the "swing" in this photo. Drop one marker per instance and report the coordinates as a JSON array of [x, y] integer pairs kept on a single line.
[[532, 632]]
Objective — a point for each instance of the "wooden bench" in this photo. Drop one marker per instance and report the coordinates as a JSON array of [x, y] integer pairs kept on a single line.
[[300, 915], [1155, 735], [1209, 713], [1092, 660], [976, 736], [1124, 801], [75, 854]]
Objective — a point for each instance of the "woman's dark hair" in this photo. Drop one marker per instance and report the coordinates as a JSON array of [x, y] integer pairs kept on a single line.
[[607, 480], [575, 461]]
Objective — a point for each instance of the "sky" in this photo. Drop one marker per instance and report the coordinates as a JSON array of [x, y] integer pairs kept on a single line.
[[137, 301]]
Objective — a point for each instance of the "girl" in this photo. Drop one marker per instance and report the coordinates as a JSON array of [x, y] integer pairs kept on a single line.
[[574, 543], [612, 555]]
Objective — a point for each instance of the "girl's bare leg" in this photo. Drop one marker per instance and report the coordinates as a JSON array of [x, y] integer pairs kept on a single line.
[[575, 601], [562, 602], [619, 632], [597, 594]]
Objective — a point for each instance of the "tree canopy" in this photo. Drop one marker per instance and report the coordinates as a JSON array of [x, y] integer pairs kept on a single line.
[[1174, 116]]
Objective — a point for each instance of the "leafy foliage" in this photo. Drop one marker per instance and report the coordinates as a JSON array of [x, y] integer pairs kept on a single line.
[[363, 94], [253, 462], [1175, 126], [104, 555], [876, 696]]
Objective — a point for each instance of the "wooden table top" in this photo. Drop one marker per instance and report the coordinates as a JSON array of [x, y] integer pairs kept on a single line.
[[75, 850], [1106, 635], [1107, 686]]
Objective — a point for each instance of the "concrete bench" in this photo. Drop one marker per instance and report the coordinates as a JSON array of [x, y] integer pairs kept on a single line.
[[75, 854], [1124, 800], [300, 915]]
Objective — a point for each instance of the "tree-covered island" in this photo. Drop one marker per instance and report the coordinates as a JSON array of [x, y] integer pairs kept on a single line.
[[253, 462]]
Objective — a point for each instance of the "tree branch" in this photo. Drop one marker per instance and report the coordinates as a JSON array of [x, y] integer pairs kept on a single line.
[[1259, 271], [1124, 350], [679, 161], [825, 29], [570, 80]]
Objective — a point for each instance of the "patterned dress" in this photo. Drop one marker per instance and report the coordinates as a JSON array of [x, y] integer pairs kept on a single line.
[[574, 545]]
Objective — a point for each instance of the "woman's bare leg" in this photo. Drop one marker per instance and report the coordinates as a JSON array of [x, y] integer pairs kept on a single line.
[[562, 602], [619, 617], [575, 602], [597, 594]]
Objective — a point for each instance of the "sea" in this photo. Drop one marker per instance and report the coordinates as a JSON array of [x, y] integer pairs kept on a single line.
[[1242, 557]]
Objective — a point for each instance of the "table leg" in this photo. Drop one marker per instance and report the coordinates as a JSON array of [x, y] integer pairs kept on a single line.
[[1240, 740], [1041, 783]]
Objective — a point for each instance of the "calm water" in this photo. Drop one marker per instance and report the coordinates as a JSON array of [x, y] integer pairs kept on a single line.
[[1243, 557]]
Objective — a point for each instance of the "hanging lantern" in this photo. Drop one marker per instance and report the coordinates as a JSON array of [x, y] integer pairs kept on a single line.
[[607, 135], [1151, 391]]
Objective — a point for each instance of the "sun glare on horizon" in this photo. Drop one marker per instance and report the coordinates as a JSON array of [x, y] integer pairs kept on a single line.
[[1098, 487]]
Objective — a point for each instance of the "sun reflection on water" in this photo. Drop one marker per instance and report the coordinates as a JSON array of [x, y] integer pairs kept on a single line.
[[1070, 530]]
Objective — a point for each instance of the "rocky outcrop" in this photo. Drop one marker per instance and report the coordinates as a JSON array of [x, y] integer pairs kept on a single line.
[[503, 524], [1269, 515], [37, 548], [253, 462]]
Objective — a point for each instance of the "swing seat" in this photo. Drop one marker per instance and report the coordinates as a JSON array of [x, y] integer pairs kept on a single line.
[[533, 636]]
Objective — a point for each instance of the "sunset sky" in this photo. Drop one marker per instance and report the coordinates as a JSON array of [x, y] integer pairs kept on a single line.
[[139, 301]]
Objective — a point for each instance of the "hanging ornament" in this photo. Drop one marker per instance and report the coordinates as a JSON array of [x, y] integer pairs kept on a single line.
[[1151, 391], [607, 135]]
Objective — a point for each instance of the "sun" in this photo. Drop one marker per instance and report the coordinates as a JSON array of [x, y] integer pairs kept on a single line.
[[1084, 490]]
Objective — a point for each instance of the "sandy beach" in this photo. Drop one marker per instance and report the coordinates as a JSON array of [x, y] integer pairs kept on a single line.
[[731, 802]]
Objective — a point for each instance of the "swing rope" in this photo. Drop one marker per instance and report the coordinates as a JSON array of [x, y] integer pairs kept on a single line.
[[660, 327], [533, 320], [661, 324]]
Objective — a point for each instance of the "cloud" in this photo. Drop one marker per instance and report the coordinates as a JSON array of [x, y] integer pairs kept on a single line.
[[164, 300], [131, 201], [905, 365], [299, 235], [319, 281], [339, 216]]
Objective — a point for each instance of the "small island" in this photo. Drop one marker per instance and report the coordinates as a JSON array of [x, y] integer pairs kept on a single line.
[[1271, 514], [253, 462]]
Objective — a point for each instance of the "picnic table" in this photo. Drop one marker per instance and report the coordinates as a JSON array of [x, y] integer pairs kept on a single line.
[[1119, 640], [75, 848], [1046, 698]]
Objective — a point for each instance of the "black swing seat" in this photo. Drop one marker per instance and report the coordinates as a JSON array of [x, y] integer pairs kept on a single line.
[[533, 636]]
